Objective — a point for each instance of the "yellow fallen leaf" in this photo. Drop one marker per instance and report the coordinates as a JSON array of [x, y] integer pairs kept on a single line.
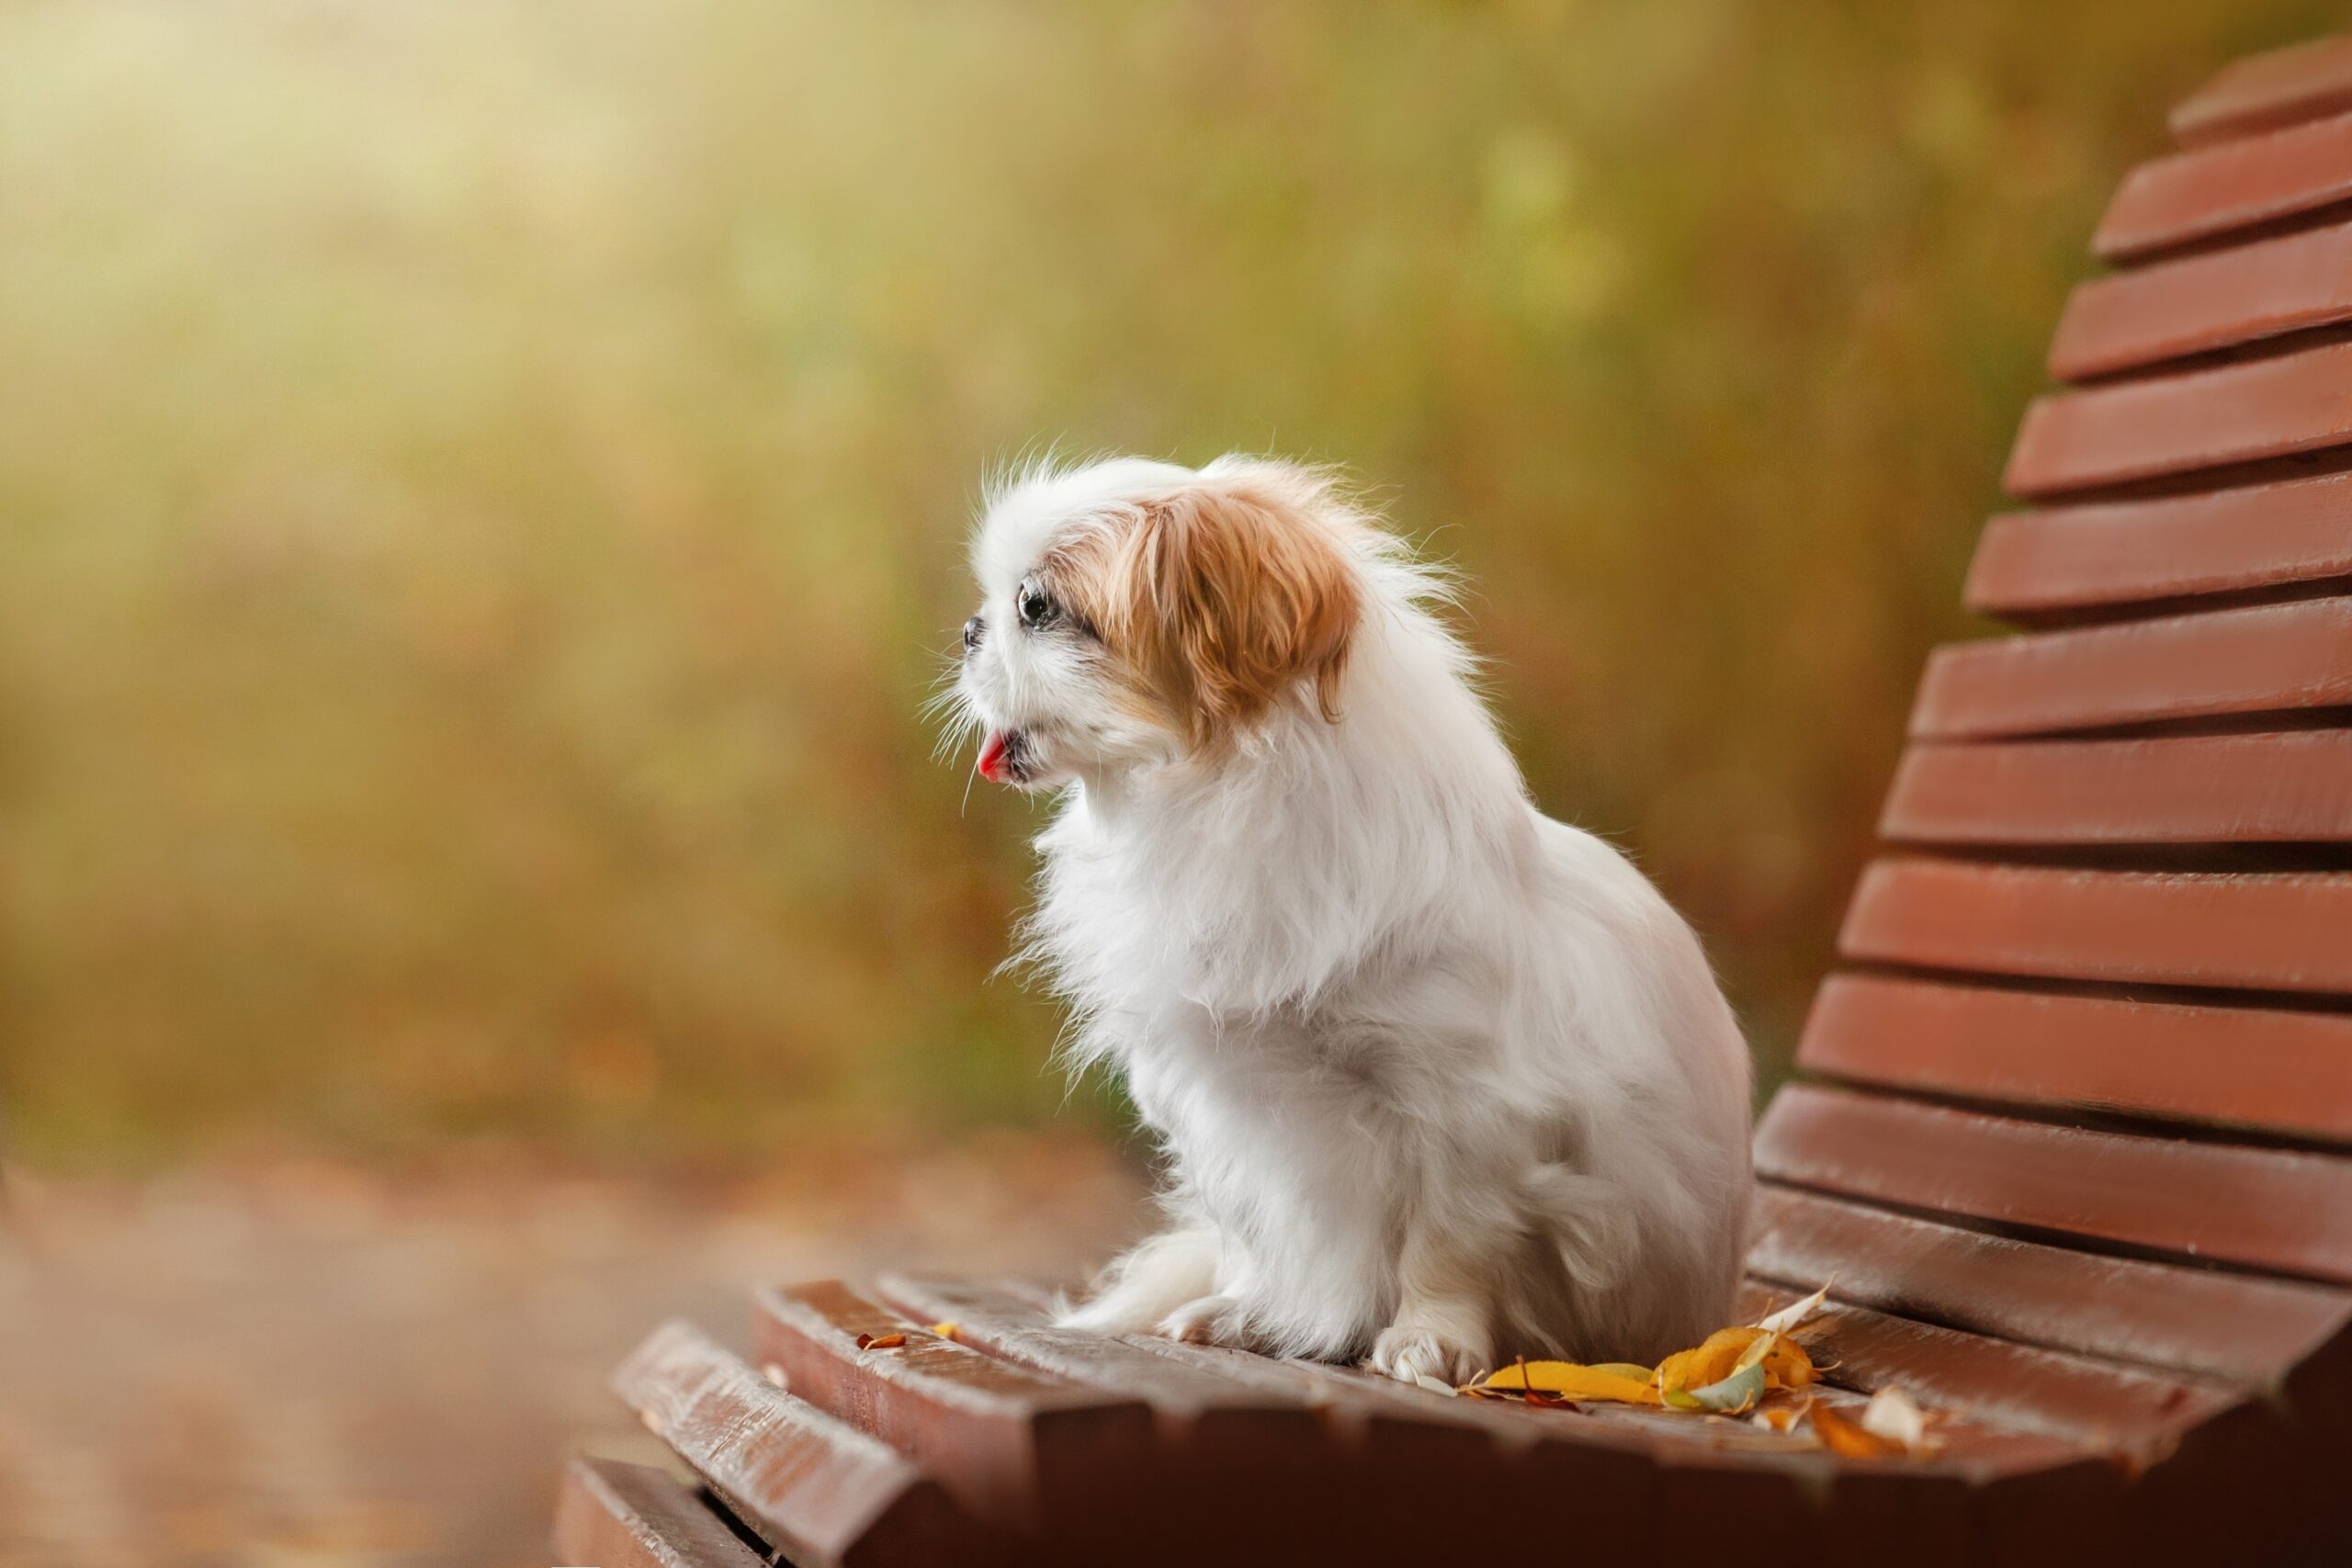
[[945, 1330], [1633, 1369], [1570, 1380]]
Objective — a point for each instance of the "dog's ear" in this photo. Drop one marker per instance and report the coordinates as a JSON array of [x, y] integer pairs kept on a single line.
[[1240, 587]]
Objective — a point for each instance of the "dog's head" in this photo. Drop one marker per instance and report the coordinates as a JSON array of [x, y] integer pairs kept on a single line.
[[1133, 613]]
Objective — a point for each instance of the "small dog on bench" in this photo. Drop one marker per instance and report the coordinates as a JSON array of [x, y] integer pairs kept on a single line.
[[1439, 1081]]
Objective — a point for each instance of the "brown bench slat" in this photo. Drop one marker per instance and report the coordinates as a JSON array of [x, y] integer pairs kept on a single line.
[[2142, 552], [1012, 1444], [1010, 1319], [2279, 1071], [813, 1487], [2182, 424], [631, 1516], [1612, 1448], [2199, 304], [2267, 932], [1183, 1394], [1373, 1442], [2235, 1326], [2131, 1413], [2209, 192], [2213, 789], [2268, 92], [2262, 658], [2270, 1208]]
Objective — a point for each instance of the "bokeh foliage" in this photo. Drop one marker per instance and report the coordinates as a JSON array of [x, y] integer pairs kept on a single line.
[[481, 485]]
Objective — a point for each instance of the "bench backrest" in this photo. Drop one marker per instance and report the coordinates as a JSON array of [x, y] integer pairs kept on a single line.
[[2097, 989]]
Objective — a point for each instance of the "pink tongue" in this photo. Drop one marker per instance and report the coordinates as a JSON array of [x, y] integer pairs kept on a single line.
[[992, 756]]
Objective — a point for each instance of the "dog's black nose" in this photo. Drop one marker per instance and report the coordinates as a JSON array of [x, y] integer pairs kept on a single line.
[[972, 629]]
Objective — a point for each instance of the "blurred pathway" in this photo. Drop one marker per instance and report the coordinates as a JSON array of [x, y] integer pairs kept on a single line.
[[300, 1363]]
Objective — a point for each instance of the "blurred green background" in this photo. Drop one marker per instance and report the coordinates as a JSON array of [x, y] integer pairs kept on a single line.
[[482, 485]]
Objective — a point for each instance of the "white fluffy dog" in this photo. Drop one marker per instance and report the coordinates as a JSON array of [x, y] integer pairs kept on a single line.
[[1439, 1081]]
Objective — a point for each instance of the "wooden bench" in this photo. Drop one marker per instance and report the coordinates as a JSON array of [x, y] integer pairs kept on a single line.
[[2073, 1141]]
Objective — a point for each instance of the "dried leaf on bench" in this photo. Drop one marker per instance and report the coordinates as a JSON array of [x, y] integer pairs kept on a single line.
[[1567, 1380], [1795, 1312], [1849, 1439], [1708, 1363], [1736, 1394], [880, 1341], [1730, 1350]]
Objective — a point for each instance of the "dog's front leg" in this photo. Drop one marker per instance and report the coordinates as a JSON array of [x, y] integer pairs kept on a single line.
[[1441, 1329]]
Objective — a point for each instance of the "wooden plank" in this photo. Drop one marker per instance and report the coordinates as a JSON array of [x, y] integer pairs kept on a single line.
[[2262, 658], [1618, 1452], [2268, 92], [2211, 789], [1615, 1447], [2275, 1070], [2169, 425], [1362, 1408], [2234, 1326], [813, 1487], [2270, 932], [2141, 552], [2130, 321], [2272, 1209], [2209, 192], [629, 1515], [1013, 1445], [1187, 1396], [1354, 1483], [2131, 1413]]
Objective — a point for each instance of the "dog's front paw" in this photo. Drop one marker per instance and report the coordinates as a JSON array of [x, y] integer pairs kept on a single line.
[[1410, 1354]]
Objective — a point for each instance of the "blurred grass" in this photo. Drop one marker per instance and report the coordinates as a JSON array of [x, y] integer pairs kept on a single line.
[[481, 486]]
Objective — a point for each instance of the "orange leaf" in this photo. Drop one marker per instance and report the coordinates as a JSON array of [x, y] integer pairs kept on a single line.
[[880, 1341], [1709, 1364], [1849, 1438], [1788, 1365]]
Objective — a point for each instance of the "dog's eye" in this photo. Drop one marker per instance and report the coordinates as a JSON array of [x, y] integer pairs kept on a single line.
[[1036, 608]]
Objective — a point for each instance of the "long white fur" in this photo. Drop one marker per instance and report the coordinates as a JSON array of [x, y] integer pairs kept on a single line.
[[1439, 1081]]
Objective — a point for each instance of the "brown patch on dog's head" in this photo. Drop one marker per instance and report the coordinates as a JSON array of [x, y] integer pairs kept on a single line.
[[1223, 596]]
